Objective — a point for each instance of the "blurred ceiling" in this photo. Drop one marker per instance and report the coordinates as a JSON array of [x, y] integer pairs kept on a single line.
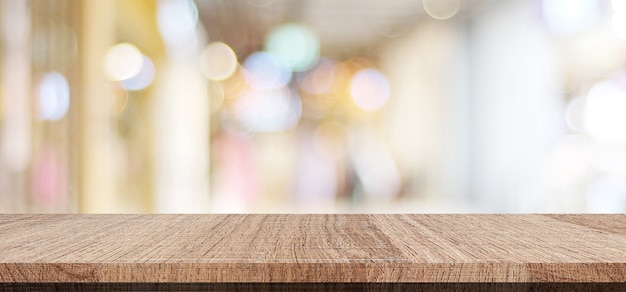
[[344, 26]]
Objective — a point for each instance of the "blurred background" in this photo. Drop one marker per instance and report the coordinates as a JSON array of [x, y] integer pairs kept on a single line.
[[180, 106]]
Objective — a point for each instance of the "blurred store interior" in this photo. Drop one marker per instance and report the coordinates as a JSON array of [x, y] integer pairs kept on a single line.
[[312, 106]]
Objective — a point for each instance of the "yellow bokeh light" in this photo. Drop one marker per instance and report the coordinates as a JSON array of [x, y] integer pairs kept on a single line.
[[343, 73], [236, 85], [123, 61], [218, 61]]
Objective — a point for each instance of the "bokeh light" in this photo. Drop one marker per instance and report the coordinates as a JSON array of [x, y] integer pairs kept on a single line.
[[177, 20], [441, 9], [619, 6], [296, 44], [268, 111], [340, 91], [369, 89], [218, 61], [236, 85], [266, 71], [123, 61], [53, 96], [265, 105], [568, 161], [319, 79], [619, 24], [604, 112], [49, 178], [142, 79], [569, 16]]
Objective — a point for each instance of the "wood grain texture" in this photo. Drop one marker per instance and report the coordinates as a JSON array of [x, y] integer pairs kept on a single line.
[[312, 248], [322, 287]]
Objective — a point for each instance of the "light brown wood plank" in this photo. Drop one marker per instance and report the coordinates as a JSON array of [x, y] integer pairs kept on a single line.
[[312, 248]]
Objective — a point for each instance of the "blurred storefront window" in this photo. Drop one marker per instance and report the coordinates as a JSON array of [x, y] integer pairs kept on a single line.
[[177, 106]]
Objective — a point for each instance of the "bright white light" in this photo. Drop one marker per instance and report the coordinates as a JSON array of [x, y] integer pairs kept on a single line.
[[619, 6], [143, 79], [296, 44], [570, 16], [218, 61], [268, 111], [608, 158], [177, 20], [568, 161], [369, 89], [605, 113], [606, 195], [266, 71], [123, 61], [618, 22], [53, 96]]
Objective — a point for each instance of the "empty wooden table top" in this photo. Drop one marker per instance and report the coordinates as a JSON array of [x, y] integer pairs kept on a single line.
[[312, 248]]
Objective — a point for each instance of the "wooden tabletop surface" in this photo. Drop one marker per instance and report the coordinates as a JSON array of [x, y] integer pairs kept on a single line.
[[312, 248]]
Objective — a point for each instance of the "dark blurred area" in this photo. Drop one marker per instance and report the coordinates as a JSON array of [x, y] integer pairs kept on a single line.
[[178, 106]]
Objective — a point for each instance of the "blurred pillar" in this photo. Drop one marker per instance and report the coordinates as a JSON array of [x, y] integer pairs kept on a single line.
[[15, 139], [417, 118], [181, 121], [514, 109], [180, 115], [97, 173]]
